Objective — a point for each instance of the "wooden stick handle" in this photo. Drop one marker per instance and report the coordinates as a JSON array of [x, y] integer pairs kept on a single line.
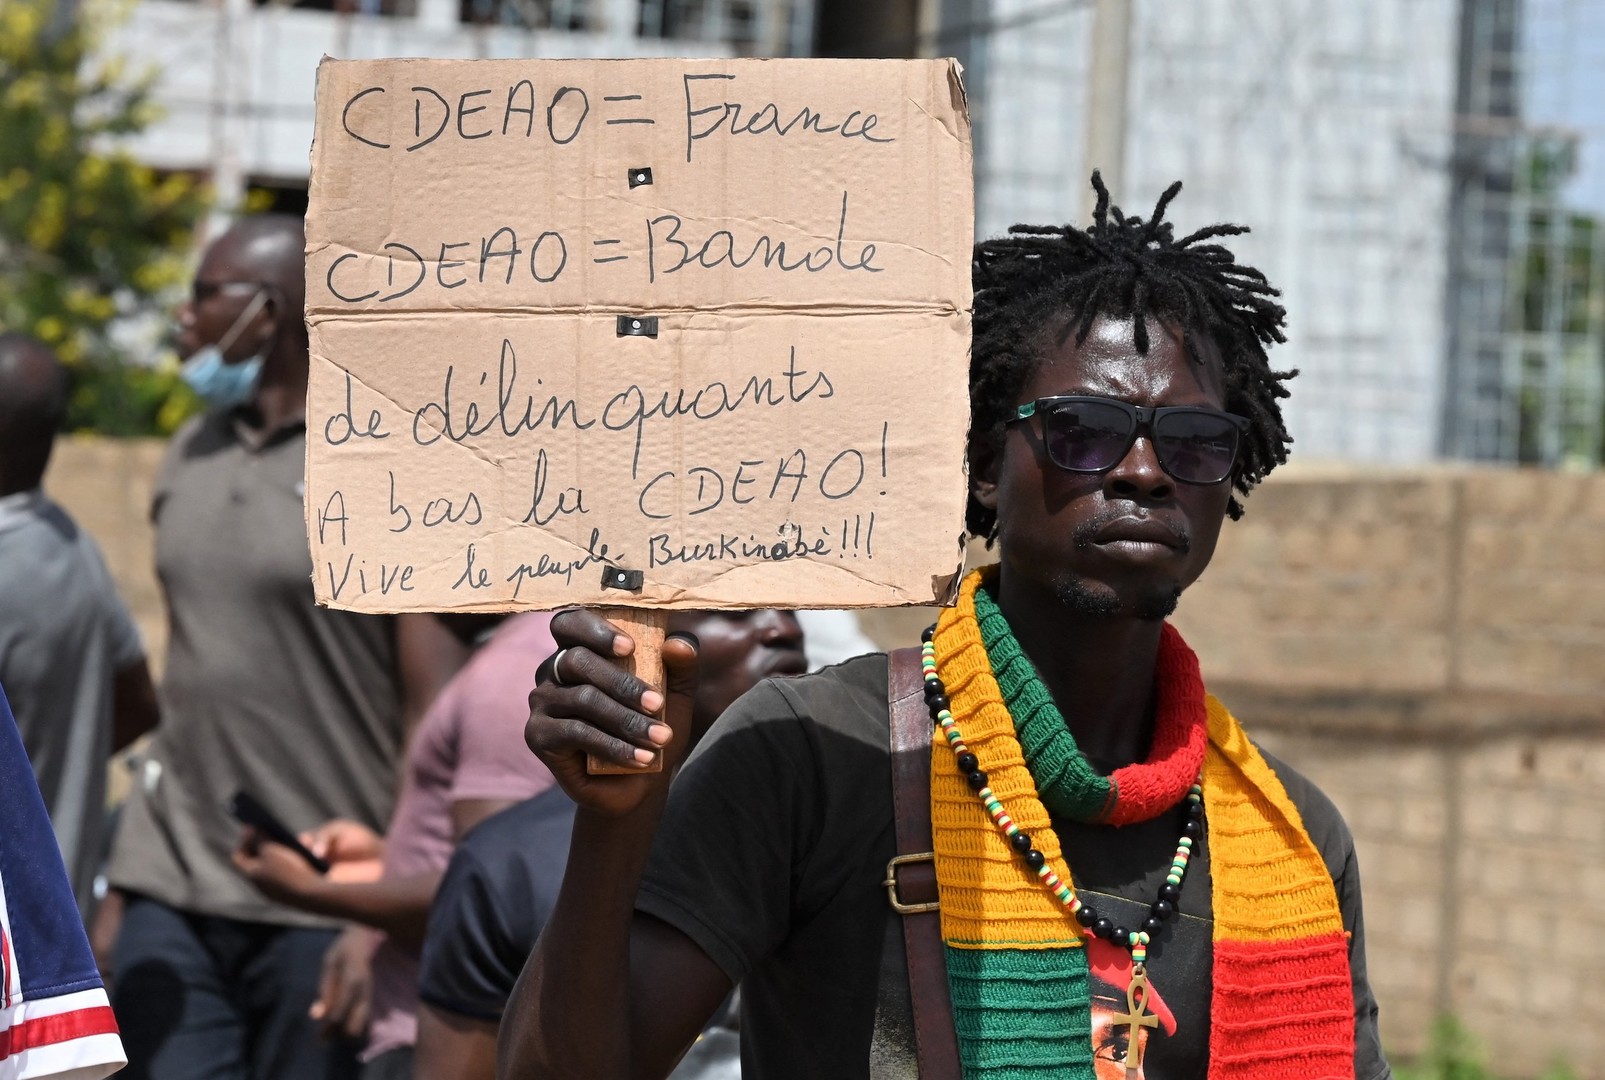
[[646, 627]]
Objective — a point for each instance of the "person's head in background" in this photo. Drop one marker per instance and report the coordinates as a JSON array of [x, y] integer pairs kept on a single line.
[[33, 404], [243, 329], [736, 651]]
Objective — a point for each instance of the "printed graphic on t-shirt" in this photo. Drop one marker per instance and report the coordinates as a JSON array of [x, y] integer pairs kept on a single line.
[[1172, 1038], [1125, 1017]]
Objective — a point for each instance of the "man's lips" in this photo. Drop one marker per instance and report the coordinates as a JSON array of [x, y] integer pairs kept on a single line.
[[1140, 530], [787, 662], [1140, 536]]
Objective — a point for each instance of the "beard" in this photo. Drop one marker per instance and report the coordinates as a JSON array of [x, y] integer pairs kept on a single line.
[[1153, 604]]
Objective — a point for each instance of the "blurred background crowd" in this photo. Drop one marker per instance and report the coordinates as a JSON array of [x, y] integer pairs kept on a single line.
[[1413, 613]]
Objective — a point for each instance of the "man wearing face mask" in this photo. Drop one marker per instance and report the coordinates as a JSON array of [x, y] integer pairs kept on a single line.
[[303, 708]]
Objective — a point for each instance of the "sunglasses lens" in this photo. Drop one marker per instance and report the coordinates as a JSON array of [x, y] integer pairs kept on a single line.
[[1197, 447], [1086, 436]]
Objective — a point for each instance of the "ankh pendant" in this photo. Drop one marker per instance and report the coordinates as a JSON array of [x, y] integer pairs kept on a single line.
[[1135, 1017]]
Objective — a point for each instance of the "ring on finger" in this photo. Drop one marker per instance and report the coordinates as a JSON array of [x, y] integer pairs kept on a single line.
[[557, 668]]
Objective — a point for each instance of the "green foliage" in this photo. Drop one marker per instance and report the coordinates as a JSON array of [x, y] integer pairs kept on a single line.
[[1558, 315], [88, 235], [1455, 1054]]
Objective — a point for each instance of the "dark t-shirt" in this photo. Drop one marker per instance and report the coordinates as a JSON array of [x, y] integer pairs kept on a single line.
[[497, 894], [774, 846]]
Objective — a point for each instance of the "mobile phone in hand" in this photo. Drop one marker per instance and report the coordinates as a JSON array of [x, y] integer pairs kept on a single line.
[[248, 810]]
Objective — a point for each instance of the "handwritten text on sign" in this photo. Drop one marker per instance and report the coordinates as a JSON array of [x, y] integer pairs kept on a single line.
[[674, 333]]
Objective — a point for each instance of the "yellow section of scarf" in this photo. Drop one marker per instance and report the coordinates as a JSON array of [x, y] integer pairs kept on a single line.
[[1270, 882], [990, 899]]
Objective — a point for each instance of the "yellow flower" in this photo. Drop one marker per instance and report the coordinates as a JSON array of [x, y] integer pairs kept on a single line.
[[49, 222], [55, 136], [89, 304], [92, 172], [114, 70], [178, 407], [20, 22], [171, 191], [13, 183], [158, 275], [27, 91]]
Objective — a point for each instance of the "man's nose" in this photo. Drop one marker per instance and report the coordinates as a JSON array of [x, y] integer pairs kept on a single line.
[[1139, 475], [777, 627]]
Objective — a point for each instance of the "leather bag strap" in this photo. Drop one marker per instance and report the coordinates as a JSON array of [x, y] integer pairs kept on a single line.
[[911, 876]]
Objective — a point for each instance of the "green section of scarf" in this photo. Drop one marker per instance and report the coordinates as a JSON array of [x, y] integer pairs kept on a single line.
[[1066, 782], [1022, 1014]]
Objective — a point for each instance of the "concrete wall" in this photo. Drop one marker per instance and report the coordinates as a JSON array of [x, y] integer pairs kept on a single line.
[[1430, 649], [1477, 819], [106, 485], [1428, 646]]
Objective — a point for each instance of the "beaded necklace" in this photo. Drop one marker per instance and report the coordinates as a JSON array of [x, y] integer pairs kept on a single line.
[[1135, 942]]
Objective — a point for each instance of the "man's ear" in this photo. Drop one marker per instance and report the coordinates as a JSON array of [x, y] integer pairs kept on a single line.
[[986, 457], [267, 320]]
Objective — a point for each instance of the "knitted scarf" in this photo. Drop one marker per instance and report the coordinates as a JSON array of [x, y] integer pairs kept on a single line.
[[1016, 962]]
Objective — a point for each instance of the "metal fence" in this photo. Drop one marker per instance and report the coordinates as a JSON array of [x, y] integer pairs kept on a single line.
[[1425, 178]]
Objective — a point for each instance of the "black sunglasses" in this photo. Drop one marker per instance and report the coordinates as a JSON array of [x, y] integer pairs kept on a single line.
[[1084, 434]]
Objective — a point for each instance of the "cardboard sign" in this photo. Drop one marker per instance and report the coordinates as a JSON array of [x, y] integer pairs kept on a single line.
[[655, 333]]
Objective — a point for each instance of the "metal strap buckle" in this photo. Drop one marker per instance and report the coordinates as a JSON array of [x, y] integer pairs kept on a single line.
[[891, 884]]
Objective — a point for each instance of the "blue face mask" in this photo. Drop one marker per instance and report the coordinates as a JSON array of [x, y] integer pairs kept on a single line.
[[221, 384]]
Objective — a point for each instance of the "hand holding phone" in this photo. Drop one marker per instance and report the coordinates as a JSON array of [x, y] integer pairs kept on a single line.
[[248, 810]]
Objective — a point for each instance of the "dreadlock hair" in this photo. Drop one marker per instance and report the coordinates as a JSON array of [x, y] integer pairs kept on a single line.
[[1045, 278]]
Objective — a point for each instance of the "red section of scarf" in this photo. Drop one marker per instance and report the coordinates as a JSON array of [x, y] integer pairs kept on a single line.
[[1149, 788], [1282, 1010]]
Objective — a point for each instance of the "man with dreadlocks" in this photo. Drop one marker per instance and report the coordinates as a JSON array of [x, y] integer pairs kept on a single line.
[[1126, 884]]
